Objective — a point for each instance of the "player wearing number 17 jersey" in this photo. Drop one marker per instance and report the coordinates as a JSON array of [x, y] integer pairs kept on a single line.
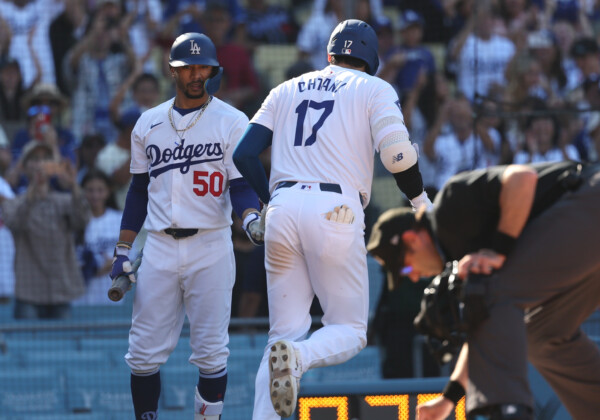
[[323, 128], [184, 186]]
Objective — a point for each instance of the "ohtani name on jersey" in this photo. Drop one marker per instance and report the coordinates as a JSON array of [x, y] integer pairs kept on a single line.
[[318, 83], [182, 156]]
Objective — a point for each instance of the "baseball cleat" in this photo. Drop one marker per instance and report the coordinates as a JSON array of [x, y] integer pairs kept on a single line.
[[284, 375]]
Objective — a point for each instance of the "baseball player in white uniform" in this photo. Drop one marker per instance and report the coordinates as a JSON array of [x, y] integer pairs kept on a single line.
[[184, 186], [324, 128]]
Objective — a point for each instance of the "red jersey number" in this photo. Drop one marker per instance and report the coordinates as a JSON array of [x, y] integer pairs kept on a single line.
[[206, 183]]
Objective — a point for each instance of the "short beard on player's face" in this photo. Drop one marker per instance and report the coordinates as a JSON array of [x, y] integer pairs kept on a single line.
[[186, 91], [188, 95]]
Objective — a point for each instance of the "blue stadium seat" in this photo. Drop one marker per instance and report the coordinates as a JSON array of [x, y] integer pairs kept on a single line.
[[365, 366], [80, 359], [98, 390], [31, 391], [240, 341], [17, 345], [178, 386], [7, 361], [116, 348], [178, 390], [70, 416]]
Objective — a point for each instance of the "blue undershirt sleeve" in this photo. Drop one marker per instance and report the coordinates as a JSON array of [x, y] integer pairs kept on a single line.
[[136, 203], [242, 196], [256, 138]]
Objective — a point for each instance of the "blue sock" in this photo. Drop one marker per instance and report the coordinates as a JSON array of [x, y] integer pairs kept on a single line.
[[211, 386], [145, 391]]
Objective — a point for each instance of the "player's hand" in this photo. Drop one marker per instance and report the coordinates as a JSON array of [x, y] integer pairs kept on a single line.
[[121, 264], [437, 409], [254, 226], [341, 214], [420, 201], [481, 262]]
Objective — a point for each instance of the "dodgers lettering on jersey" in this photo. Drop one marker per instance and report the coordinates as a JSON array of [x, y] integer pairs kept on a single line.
[[182, 156], [189, 172], [324, 127]]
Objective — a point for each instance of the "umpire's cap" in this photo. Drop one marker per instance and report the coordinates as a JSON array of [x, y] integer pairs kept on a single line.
[[194, 48], [357, 39], [385, 243]]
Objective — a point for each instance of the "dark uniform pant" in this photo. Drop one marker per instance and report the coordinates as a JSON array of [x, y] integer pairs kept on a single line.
[[548, 286]]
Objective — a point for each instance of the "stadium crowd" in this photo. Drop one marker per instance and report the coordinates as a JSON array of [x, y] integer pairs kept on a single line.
[[480, 82]]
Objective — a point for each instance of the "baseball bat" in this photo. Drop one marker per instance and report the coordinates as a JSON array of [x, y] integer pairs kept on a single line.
[[122, 284]]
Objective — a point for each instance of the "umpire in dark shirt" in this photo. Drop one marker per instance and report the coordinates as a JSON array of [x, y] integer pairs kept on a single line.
[[535, 231]]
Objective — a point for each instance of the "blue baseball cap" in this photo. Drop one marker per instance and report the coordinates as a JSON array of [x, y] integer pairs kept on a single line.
[[129, 118], [410, 18]]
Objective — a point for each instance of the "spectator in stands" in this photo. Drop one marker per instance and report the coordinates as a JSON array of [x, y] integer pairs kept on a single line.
[[480, 56], [101, 233], [65, 31], [572, 11], [240, 86], [29, 21], [268, 23], [5, 37], [565, 35], [542, 141], [455, 15], [182, 16], [416, 121], [146, 20], [96, 67], [456, 144], [525, 79], [403, 64], [315, 32], [586, 54], [589, 146], [114, 158], [11, 92], [544, 48], [7, 247], [44, 224], [44, 105], [140, 91], [87, 152], [515, 18], [5, 152]]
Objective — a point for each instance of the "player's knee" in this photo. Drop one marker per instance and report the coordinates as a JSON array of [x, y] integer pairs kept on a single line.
[[542, 348], [362, 338], [145, 372]]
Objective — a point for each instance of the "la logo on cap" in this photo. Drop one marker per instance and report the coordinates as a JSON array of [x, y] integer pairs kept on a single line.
[[194, 48]]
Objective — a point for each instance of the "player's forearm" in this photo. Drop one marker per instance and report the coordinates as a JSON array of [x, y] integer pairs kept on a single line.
[[136, 203], [461, 369], [126, 235], [246, 158], [516, 198]]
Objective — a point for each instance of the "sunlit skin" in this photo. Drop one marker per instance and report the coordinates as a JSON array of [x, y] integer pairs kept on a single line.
[[97, 193], [421, 258], [189, 83], [421, 255]]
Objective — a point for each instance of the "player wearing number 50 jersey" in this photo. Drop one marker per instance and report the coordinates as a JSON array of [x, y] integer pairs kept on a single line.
[[185, 186], [323, 128]]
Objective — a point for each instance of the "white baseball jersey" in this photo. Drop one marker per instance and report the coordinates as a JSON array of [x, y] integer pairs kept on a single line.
[[482, 62], [189, 172], [327, 125]]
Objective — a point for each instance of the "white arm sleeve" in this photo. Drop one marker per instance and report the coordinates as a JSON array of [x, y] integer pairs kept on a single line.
[[397, 153]]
